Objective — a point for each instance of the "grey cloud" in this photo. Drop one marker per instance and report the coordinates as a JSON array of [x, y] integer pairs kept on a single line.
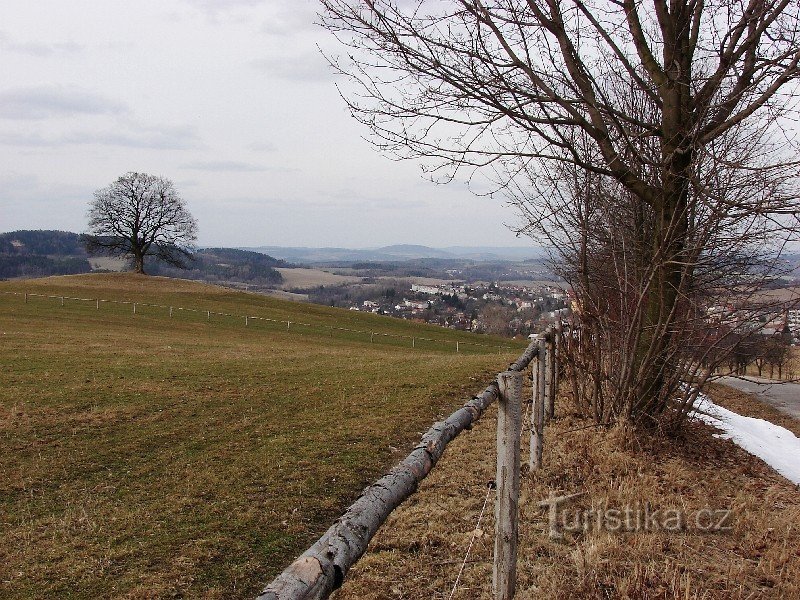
[[15, 184], [43, 102], [28, 139], [223, 165], [263, 147], [285, 17], [166, 138], [221, 5], [217, 8], [290, 19], [348, 199], [31, 188], [305, 68], [158, 138], [38, 48]]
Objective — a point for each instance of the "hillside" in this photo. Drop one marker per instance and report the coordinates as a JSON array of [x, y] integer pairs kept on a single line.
[[151, 456], [226, 264], [34, 253], [39, 253], [401, 252]]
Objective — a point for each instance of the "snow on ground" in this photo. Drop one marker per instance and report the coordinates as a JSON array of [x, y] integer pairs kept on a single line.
[[775, 445]]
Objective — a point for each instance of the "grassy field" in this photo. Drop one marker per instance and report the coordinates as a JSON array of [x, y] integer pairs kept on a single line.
[[146, 456], [307, 278]]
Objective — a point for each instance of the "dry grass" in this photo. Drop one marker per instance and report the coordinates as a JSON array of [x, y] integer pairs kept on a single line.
[[308, 278], [418, 553], [149, 457], [789, 372]]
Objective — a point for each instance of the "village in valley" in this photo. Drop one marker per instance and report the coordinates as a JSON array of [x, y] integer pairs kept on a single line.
[[482, 308]]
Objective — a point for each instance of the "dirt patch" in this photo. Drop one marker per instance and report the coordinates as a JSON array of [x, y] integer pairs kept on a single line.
[[309, 278], [109, 263], [282, 295]]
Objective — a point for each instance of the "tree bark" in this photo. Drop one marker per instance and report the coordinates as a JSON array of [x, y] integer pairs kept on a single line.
[[138, 261]]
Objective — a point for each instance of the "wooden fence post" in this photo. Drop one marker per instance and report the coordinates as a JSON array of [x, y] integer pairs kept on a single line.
[[550, 362], [537, 414], [134, 308], [557, 335], [62, 300], [504, 575], [26, 297], [170, 312]]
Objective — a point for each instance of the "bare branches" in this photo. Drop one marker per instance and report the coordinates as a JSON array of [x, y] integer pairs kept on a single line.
[[140, 215], [637, 138]]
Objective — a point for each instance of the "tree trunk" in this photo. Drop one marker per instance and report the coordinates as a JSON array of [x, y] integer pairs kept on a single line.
[[138, 262]]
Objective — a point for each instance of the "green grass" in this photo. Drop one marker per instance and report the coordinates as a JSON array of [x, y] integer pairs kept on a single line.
[[149, 456]]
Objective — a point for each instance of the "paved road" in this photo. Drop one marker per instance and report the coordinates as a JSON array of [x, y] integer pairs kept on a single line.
[[783, 396]]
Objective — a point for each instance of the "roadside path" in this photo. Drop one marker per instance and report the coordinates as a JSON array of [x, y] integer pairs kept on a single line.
[[782, 395]]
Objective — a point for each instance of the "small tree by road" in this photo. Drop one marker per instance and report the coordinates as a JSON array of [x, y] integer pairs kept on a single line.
[[141, 215]]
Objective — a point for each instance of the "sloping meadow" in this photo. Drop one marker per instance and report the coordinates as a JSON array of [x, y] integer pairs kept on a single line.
[[150, 456]]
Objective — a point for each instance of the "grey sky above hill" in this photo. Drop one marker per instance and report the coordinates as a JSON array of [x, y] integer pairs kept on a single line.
[[229, 99]]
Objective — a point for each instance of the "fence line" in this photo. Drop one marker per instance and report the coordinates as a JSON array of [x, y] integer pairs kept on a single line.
[[322, 568], [457, 344]]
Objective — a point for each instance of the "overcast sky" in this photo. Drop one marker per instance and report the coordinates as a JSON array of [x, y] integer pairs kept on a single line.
[[229, 99]]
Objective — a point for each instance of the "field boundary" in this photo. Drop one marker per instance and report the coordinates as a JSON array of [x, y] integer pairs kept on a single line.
[[321, 569], [374, 335]]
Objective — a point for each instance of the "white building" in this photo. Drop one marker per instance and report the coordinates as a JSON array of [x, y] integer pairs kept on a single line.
[[425, 289]]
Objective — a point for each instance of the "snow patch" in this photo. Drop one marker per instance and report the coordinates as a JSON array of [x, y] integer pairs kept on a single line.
[[775, 445]]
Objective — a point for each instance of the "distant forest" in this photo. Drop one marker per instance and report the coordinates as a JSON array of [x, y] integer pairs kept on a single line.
[[44, 253], [226, 264]]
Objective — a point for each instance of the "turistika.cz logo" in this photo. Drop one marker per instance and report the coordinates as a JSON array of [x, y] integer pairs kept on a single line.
[[630, 518]]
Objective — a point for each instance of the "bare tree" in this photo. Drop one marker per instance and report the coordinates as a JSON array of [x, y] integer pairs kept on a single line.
[[141, 215], [496, 319], [646, 142], [778, 354]]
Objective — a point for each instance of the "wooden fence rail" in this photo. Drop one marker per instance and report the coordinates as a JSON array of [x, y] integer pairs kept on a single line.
[[322, 568]]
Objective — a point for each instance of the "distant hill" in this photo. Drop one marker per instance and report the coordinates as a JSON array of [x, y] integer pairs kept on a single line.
[[42, 243], [489, 253], [400, 252], [411, 251], [227, 264], [40, 253]]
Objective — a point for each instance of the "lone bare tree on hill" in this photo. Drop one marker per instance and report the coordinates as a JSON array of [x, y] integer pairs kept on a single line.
[[141, 215], [647, 142]]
